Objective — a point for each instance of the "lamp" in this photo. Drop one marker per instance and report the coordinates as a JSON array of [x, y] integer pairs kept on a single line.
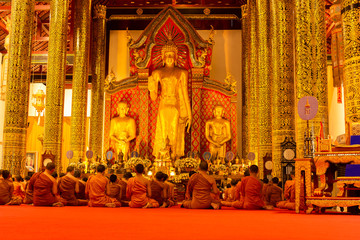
[[39, 102]]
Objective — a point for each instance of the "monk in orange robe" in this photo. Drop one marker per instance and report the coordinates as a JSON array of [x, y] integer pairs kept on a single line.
[[82, 185], [251, 191], [273, 192], [68, 185], [7, 189], [170, 192], [139, 190], [159, 189], [289, 195], [29, 189], [45, 188], [123, 183], [114, 189], [230, 196], [199, 189], [96, 190], [19, 190], [265, 186]]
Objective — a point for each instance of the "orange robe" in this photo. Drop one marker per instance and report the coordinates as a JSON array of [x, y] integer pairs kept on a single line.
[[251, 193], [96, 188], [273, 195], [137, 192], [6, 191], [199, 187], [81, 193], [29, 189], [230, 197], [115, 190], [157, 192], [289, 195], [43, 195], [18, 191], [66, 186]]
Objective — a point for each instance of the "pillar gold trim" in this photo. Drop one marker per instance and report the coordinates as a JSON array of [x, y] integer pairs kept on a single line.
[[351, 32], [17, 94], [98, 78], [283, 102], [80, 78], [311, 75], [264, 117], [54, 109]]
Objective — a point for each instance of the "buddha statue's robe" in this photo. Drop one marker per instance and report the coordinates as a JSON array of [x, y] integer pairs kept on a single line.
[[81, 193], [251, 193], [96, 189], [66, 190], [43, 195], [157, 191], [29, 189], [198, 191], [273, 195], [114, 190], [137, 192]]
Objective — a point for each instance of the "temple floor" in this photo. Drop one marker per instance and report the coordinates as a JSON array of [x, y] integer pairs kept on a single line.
[[28, 222]]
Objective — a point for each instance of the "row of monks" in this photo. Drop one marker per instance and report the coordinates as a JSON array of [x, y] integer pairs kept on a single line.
[[43, 189]]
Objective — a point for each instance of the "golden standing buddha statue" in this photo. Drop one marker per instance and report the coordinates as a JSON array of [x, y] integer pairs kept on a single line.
[[174, 113], [217, 132], [122, 130]]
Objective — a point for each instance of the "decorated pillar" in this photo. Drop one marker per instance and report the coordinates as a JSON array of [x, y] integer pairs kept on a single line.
[[264, 117], [253, 85], [142, 140], [245, 79], [80, 78], [54, 109], [283, 103], [98, 80], [351, 29], [311, 77], [18, 81], [196, 85]]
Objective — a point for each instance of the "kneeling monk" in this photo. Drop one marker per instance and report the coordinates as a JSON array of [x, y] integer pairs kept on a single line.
[[139, 190], [200, 187], [7, 189], [96, 189], [68, 186], [251, 190], [45, 188]]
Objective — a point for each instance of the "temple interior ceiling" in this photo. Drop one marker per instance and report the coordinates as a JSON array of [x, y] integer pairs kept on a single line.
[[42, 14]]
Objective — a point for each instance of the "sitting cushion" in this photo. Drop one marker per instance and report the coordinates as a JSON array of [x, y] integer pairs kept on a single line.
[[354, 140], [352, 170]]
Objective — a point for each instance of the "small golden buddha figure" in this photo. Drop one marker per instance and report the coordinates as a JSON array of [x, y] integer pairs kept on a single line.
[[122, 130], [174, 113], [217, 132]]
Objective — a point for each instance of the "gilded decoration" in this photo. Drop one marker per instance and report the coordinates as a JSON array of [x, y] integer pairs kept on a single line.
[[265, 93], [254, 84], [97, 81], [342, 181], [351, 31], [56, 79], [193, 57], [303, 164], [245, 80], [311, 77], [283, 104], [80, 78], [17, 95]]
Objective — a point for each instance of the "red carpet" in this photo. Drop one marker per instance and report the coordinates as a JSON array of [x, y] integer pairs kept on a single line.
[[28, 222]]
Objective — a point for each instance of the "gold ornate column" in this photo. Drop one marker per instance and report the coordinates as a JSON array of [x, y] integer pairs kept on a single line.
[[97, 80], [283, 103], [55, 80], [253, 86], [351, 29], [311, 77], [17, 94], [264, 116], [245, 79], [80, 78]]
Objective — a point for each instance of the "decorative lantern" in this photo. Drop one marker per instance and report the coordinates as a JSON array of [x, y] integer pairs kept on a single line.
[[39, 102]]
